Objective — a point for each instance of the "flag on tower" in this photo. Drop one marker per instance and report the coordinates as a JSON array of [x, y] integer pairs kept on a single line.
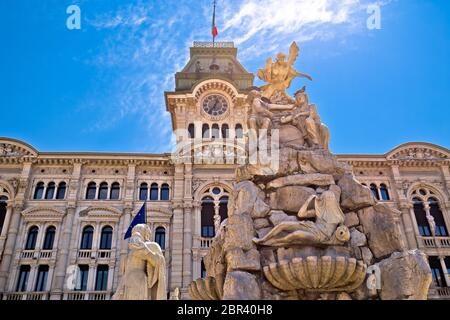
[[138, 219], [214, 28]]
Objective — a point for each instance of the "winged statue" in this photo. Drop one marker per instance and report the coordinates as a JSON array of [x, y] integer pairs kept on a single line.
[[280, 74]]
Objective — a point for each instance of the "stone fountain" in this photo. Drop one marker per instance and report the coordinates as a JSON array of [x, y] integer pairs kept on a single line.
[[305, 229]]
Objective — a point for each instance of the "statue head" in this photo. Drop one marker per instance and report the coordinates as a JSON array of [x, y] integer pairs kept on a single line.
[[143, 231], [281, 57], [254, 93], [301, 97]]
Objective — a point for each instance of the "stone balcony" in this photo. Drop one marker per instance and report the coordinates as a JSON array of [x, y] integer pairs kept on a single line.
[[439, 293], [37, 254], [26, 296], [435, 242], [205, 242], [95, 254], [87, 295]]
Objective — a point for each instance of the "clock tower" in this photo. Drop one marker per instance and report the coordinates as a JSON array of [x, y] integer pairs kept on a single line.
[[210, 93]]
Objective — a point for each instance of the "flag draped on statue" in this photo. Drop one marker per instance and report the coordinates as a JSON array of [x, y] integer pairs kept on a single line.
[[214, 28], [138, 219]]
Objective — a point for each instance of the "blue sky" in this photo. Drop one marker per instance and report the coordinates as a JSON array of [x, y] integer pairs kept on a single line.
[[101, 88]]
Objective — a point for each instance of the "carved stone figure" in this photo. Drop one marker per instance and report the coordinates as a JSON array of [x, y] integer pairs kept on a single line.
[[143, 270], [328, 216], [260, 116], [280, 74], [287, 234]]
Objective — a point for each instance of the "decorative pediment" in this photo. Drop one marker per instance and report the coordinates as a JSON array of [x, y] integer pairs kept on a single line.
[[42, 213], [157, 212], [418, 151], [16, 149], [101, 213]]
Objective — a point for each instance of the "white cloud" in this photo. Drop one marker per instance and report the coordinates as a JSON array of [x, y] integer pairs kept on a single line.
[[148, 43]]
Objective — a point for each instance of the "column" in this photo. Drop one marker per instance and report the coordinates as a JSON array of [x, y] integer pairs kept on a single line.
[[177, 249], [122, 245], [32, 277], [91, 277], [408, 226], [62, 255], [187, 246], [10, 246], [445, 270], [216, 216]]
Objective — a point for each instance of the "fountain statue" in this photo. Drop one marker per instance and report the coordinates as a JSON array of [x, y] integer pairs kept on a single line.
[[307, 230]]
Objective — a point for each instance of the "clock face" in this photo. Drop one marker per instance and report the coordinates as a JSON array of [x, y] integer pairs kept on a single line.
[[215, 105]]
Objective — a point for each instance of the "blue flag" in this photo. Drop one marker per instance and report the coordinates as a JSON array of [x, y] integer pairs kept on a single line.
[[138, 219]]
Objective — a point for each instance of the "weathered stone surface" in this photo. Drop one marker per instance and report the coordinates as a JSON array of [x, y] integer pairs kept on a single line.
[[240, 232], [315, 179], [381, 230], [343, 296], [354, 195], [405, 276], [290, 134], [245, 195], [357, 239], [262, 232], [291, 198], [261, 223], [337, 191], [237, 259], [276, 217], [241, 285], [323, 162], [367, 255], [351, 219]]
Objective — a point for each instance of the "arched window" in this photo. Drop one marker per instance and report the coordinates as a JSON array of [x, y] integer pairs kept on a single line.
[[91, 191], [61, 193], [223, 208], [31, 238], [421, 218], [101, 281], [435, 211], [436, 271], [41, 279], [50, 192], [207, 217], [239, 131], [39, 191], [374, 189], [384, 192], [165, 192], [191, 131], [3, 210], [115, 191], [106, 238], [22, 280], [103, 191], [160, 237], [143, 191], [86, 238], [205, 131], [215, 131], [49, 238], [225, 131], [202, 270], [154, 192]]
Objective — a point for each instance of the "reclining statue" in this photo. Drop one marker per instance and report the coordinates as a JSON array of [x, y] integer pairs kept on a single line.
[[327, 229]]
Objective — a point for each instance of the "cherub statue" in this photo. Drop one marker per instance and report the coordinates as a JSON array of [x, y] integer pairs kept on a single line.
[[280, 74]]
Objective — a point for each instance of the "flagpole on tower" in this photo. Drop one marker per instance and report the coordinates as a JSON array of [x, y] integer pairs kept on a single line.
[[214, 28]]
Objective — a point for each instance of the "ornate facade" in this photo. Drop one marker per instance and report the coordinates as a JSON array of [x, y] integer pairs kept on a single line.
[[63, 215]]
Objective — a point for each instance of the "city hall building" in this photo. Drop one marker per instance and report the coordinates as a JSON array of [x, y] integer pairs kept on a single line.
[[63, 216]]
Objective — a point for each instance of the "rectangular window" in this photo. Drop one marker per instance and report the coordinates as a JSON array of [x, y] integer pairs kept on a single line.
[[208, 231], [101, 281], [41, 280], [22, 281], [436, 271], [82, 279]]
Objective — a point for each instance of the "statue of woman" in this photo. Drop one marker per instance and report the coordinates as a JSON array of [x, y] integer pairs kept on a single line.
[[328, 216], [144, 269]]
